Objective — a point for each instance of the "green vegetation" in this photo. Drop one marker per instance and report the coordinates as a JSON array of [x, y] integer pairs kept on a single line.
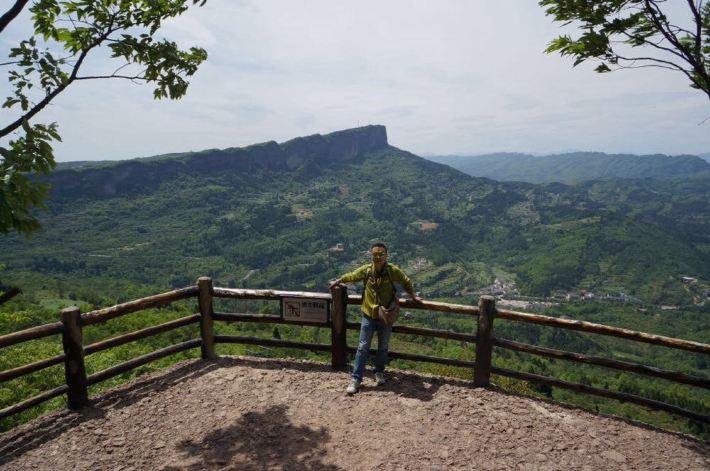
[[64, 35], [163, 222], [273, 215], [631, 34], [683, 324]]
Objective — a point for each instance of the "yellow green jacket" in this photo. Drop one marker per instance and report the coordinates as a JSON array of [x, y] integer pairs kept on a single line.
[[378, 289]]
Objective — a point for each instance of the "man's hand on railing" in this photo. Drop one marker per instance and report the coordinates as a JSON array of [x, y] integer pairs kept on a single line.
[[415, 298], [335, 282]]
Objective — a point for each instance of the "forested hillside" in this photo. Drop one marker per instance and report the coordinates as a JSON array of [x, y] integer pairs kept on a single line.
[[272, 215], [574, 167], [296, 214]]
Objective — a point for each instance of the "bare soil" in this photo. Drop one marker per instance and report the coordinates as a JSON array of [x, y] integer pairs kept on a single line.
[[243, 413]]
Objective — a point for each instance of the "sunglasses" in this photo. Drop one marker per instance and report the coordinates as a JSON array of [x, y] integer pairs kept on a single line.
[[379, 255]]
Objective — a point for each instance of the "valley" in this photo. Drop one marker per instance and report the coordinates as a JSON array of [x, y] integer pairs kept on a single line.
[[296, 214]]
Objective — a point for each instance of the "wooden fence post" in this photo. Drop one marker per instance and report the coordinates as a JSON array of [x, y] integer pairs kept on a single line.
[[484, 341], [74, 370], [204, 284], [338, 312]]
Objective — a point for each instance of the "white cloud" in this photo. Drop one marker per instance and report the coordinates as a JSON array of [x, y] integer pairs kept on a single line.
[[461, 76]]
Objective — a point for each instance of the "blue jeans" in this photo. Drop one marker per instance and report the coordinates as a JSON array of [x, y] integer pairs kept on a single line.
[[367, 330]]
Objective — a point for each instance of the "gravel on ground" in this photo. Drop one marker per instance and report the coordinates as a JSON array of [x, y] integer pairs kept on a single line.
[[245, 413]]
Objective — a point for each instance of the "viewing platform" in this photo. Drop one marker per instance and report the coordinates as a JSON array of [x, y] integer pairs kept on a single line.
[[226, 412], [250, 413]]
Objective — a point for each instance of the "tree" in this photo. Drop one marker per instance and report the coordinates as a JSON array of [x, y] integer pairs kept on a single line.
[[613, 30], [46, 64]]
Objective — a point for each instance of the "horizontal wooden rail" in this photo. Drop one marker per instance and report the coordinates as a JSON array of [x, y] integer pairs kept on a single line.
[[424, 358], [604, 330], [142, 360], [263, 319], [403, 329], [140, 334], [605, 362], [8, 375], [430, 359], [336, 349], [31, 334], [33, 401], [271, 342], [356, 299], [624, 397], [118, 310], [267, 294]]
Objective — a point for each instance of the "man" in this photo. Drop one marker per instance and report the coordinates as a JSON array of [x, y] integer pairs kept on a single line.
[[379, 291]]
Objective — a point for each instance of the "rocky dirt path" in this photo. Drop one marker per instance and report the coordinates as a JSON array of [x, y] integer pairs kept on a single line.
[[254, 414]]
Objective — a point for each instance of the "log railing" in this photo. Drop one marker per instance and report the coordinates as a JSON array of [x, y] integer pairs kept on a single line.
[[71, 328], [77, 381]]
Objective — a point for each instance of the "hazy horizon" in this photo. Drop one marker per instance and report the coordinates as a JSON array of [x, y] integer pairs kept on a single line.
[[704, 156], [469, 77]]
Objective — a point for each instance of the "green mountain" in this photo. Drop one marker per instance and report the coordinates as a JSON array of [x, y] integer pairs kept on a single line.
[[274, 214], [295, 214], [574, 167]]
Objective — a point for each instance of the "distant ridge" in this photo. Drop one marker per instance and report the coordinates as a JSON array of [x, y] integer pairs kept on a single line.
[[574, 167], [108, 178]]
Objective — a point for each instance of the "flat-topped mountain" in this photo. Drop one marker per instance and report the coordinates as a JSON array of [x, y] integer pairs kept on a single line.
[[271, 214], [109, 178], [575, 167], [249, 218]]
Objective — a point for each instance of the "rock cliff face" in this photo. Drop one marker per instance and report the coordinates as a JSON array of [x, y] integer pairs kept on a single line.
[[144, 174], [341, 145]]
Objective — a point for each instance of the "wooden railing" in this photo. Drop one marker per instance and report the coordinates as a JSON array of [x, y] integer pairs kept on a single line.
[[77, 381]]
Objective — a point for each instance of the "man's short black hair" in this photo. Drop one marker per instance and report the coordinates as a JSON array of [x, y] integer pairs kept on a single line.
[[379, 244]]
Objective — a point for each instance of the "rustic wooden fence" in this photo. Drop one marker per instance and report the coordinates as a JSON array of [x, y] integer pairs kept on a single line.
[[77, 381]]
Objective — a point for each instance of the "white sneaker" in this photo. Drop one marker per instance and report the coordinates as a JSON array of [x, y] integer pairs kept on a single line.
[[380, 378], [353, 386]]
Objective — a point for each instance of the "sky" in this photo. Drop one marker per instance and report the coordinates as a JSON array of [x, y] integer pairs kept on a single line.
[[447, 77]]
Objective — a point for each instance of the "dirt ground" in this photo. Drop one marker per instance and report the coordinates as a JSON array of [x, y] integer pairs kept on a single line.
[[255, 414]]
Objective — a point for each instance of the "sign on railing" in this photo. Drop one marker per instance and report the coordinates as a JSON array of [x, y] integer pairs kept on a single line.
[[304, 309], [326, 309]]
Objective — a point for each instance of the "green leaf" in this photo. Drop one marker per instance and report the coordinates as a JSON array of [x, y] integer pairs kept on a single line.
[[10, 102], [93, 24], [605, 25]]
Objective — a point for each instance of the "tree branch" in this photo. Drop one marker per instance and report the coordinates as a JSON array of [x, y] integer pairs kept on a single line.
[[139, 76], [92, 77], [677, 29], [655, 45], [73, 21], [666, 64], [50, 96], [121, 68], [665, 30], [12, 13], [696, 62], [657, 66], [698, 26]]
